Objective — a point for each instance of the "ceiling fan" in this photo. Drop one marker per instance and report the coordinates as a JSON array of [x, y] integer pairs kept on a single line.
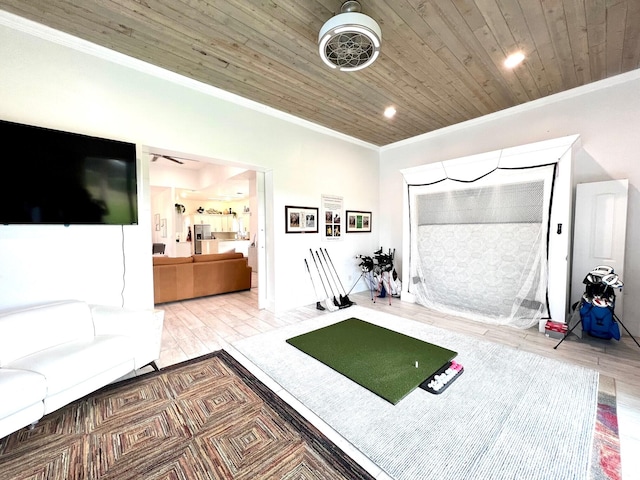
[[179, 160]]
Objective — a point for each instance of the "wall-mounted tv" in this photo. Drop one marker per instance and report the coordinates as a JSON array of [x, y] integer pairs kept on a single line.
[[56, 177]]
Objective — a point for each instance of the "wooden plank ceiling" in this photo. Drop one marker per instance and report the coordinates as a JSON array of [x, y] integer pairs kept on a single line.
[[441, 61]]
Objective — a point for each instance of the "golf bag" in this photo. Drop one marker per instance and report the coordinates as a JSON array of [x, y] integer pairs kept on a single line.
[[598, 303], [380, 274]]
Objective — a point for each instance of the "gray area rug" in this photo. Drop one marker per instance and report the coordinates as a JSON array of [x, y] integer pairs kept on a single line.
[[510, 415]]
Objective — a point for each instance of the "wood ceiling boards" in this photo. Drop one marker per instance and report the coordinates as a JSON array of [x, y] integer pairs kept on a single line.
[[440, 62]]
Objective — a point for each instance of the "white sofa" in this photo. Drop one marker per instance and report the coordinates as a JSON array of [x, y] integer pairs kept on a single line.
[[54, 353]]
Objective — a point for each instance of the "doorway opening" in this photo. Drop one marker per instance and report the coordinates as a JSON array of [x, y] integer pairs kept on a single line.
[[188, 190]]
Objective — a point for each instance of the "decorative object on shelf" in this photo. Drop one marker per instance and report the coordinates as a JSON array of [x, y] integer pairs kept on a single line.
[[358, 221], [189, 234], [301, 219], [200, 210], [180, 208]]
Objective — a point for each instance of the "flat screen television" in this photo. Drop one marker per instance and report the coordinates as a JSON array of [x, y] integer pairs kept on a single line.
[[56, 177]]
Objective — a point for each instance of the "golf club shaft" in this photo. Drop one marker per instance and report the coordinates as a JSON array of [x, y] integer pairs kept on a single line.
[[318, 269], [335, 300], [311, 277], [330, 272], [335, 271]]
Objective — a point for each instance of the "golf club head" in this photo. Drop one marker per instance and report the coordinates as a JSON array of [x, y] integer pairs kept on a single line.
[[345, 301], [330, 306]]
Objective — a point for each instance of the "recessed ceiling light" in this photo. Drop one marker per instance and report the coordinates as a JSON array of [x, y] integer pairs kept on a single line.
[[514, 59], [389, 112]]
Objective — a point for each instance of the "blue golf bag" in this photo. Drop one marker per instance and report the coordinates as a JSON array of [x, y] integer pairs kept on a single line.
[[598, 321], [598, 303]]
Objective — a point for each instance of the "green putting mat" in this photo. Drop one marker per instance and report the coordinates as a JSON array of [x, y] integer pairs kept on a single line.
[[374, 357]]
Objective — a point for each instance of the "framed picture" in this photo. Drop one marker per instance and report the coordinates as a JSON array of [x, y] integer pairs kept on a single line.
[[163, 226], [301, 219], [358, 221], [332, 213]]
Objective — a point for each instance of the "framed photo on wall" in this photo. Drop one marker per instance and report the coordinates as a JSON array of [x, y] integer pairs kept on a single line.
[[301, 219], [332, 214], [358, 221]]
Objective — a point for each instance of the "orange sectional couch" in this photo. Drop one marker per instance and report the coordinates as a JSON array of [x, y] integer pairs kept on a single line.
[[180, 278]]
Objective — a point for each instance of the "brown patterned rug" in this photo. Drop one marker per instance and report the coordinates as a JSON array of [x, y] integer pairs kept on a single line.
[[208, 418]]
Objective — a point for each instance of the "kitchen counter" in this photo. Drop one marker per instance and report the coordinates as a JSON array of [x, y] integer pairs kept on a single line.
[[183, 249], [223, 246]]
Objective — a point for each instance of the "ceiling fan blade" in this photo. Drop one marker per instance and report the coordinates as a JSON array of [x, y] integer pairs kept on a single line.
[[173, 159], [179, 160]]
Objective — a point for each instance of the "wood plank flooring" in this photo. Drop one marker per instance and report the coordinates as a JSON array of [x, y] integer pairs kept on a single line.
[[199, 326]]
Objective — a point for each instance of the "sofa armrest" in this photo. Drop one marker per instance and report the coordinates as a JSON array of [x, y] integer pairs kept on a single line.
[[145, 326]]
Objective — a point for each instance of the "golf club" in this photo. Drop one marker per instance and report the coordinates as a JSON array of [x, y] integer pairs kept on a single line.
[[318, 304], [335, 300], [330, 306], [344, 300], [332, 280]]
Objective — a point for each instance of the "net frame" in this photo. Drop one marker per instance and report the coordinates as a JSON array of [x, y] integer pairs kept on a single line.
[[530, 303]]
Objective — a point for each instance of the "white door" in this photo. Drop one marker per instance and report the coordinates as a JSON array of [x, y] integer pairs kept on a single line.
[[599, 233]]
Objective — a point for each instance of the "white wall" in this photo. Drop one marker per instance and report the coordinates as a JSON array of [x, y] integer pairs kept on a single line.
[[61, 82], [606, 115], [49, 84]]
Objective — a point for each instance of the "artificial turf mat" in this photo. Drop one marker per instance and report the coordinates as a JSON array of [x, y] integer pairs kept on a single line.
[[378, 359]]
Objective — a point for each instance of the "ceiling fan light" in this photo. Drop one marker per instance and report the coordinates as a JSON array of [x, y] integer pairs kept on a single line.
[[349, 41], [323, 42], [360, 67]]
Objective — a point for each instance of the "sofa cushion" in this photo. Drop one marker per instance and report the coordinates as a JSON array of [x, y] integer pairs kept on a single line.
[[34, 328], [211, 278], [66, 365], [20, 389], [172, 282], [171, 260], [213, 257]]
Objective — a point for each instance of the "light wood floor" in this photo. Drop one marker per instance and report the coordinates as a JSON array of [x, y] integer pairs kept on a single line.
[[196, 327]]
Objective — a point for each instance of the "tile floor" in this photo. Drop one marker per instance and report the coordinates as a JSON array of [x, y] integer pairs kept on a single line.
[[199, 326]]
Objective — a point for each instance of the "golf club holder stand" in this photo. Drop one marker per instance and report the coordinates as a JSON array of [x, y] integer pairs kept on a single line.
[[597, 305]]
